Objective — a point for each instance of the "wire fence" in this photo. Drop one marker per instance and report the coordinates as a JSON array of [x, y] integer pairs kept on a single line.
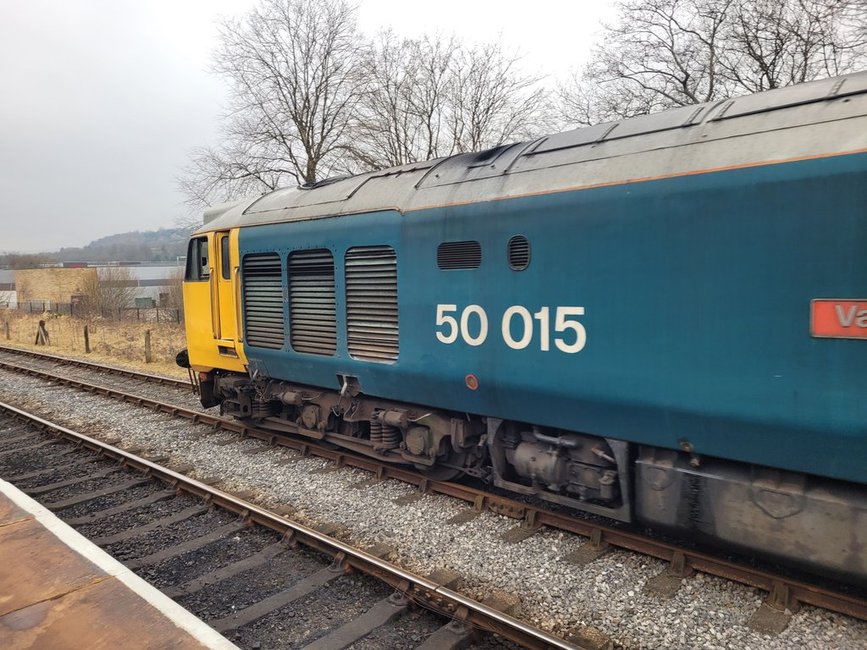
[[141, 314]]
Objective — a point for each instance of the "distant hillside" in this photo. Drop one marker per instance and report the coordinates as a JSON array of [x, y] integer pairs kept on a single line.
[[161, 245], [153, 245]]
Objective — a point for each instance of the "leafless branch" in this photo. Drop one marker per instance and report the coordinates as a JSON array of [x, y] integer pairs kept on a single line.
[[295, 87], [665, 53]]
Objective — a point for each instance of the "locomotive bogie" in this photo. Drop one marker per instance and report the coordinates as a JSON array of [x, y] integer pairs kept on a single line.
[[391, 431], [562, 467]]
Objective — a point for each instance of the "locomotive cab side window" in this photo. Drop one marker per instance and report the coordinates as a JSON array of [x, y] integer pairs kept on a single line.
[[197, 260], [225, 270]]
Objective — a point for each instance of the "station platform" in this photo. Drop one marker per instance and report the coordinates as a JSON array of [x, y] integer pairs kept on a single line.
[[59, 591]]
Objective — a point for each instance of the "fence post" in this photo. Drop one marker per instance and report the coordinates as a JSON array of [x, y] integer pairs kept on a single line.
[[42, 334], [86, 340], [147, 343], [6, 329]]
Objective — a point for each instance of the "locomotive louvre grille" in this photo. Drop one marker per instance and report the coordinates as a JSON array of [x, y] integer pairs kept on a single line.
[[312, 305], [459, 255], [371, 303], [519, 253], [263, 300]]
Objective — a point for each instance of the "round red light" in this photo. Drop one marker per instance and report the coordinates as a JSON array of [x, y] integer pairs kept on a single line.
[[472, 382]]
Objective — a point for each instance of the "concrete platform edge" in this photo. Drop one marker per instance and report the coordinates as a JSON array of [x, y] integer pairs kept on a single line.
[[181, 617]]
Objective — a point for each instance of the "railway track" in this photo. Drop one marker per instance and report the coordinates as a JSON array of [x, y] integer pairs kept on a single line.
[[783, 593], [254, 575], [99, 369]]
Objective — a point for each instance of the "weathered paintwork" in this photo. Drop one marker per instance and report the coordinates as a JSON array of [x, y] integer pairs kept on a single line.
[[695, 241], [697, 295]]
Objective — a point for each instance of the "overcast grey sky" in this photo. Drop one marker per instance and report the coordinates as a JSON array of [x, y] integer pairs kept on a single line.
[[103, 99]]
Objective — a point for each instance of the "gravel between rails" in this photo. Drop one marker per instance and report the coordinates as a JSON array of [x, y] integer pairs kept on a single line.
[[293, 625], [606, 595]]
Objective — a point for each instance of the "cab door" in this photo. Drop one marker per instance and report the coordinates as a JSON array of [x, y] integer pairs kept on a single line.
[[225, 327], [209, 302]]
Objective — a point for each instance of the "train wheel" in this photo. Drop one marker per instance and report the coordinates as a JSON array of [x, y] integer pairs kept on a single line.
[[447, 470]]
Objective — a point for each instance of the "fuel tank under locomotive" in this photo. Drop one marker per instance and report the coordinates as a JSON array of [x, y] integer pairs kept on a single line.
[[819, 524]]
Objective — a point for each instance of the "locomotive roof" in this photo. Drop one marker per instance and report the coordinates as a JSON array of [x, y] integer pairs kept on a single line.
[[814, 119]]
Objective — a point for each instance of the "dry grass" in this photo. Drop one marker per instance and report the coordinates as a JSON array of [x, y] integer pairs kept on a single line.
[[118, 343]]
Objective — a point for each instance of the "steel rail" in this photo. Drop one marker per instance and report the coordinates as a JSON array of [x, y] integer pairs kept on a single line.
[[531, 516], [420, 589], [67, 361]]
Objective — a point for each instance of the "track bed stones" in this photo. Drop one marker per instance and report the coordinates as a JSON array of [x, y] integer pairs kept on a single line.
[[144, 385], [246, 581], [606, 594]]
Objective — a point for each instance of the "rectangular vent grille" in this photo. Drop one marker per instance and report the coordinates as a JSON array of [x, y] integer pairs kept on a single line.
[[371, 303], [459, 255], [263, 301], [312, 306]]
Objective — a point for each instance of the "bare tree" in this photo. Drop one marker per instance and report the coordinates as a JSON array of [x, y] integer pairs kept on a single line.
[[311, 97], [23, 260], [109, 290], [435, 96], [175, 290], [401, 114], [773, 43], [661, 53], [432, 64], [292, 66], [665, 53], [492, 102]]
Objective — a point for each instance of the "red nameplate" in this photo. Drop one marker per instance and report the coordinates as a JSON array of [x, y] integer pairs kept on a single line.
[[838, 319]]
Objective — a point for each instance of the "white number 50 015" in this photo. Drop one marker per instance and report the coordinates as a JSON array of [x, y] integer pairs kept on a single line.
[[570, 336]]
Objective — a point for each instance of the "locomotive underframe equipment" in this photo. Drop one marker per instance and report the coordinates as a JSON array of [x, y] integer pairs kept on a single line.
[[566, 468], [571, 469], [441, 444], [806, 520]]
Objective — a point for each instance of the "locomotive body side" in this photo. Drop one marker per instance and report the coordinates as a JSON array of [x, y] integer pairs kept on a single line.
[[696, 298], [644, 352]]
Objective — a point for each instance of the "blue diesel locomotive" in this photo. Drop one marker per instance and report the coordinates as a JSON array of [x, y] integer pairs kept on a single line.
[[661, 320]]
